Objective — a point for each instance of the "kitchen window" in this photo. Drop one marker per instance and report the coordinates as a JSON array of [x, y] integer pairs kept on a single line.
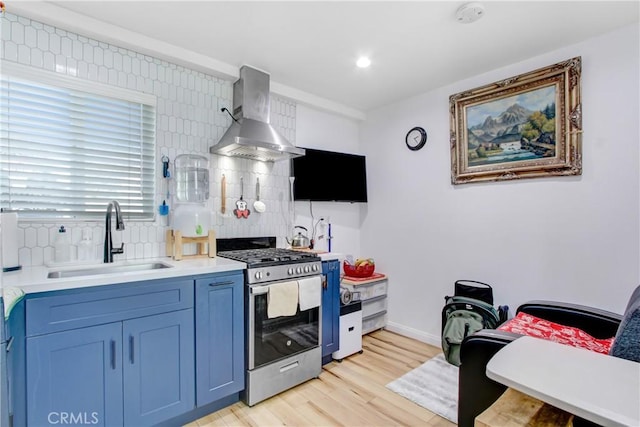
[[69, 146]]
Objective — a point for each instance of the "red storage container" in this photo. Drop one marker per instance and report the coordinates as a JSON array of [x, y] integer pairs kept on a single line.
[[363, 270]]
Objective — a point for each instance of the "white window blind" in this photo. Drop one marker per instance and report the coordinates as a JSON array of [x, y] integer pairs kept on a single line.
[[68, 147]]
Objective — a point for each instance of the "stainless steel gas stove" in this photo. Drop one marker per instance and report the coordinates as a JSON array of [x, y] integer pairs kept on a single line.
[[271, 264], [282, 351]]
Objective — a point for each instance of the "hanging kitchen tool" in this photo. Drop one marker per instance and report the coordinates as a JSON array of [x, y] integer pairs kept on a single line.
[[291, 180], [223, 195], [258, 205], [165, 167], [292, 210], [163, 209], [241, 209]]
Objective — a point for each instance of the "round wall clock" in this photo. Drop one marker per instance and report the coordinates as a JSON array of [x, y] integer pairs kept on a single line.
[[416, 138]]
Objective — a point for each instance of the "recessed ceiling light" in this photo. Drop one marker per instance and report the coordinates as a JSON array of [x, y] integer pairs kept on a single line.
[[470, 12], [363, 62]]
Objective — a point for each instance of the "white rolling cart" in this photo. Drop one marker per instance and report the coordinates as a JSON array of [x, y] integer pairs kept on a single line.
[[372, 292]]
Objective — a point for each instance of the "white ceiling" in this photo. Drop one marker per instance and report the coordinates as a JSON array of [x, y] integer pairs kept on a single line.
[[312, 47]]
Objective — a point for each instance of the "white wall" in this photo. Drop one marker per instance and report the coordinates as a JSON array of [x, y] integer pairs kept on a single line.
[[327, 131], [184, 97], [188, 122], [568, 238]]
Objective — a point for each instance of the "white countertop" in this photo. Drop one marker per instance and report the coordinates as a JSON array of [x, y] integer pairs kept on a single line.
[[324, 256], [329, 256], [601, 388], [34, 279]]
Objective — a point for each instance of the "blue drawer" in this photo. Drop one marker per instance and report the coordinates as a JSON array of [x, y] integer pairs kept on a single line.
[[62, 310]]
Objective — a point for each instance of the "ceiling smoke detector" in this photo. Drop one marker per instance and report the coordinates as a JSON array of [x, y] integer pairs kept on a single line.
[[470, 12]]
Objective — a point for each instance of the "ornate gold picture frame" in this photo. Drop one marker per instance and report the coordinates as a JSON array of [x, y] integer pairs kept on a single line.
[[526, 126]]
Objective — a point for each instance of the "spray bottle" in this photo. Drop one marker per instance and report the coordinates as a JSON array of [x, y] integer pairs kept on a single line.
[[62, 246], [321, 241]]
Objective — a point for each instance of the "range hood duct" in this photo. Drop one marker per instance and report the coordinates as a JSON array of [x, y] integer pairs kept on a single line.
[[251, 136]]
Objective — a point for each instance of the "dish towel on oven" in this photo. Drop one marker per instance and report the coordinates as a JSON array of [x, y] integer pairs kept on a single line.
[[282, 299], [11, 297], [310, 292]]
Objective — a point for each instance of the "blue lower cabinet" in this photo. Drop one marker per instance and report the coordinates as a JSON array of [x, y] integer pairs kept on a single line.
[[4, 386], [4, 380], [132, 354], [219, 337], [75, 377], [158, 366], [134, 373], [330, 309]]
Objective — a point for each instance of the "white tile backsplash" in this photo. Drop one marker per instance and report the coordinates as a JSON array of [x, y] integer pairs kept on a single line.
[[54, 43], [30, 36], [36, 58], [17, 32], [10, 51], [188, 121]]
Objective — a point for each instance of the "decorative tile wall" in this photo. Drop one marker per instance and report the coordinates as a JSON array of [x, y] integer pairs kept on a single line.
[[189, 120]]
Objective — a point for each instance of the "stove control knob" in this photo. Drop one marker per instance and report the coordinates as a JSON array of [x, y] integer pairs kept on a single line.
[[258, 275], [290, 271], [314, 267], [306, 269], [299, 270]]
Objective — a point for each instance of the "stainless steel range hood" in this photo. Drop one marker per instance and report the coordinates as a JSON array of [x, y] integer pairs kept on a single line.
[[251, 136]]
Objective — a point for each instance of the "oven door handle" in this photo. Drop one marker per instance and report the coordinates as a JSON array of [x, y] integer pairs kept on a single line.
[[259, 290]]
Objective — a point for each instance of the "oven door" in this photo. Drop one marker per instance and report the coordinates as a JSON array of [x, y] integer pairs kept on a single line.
[[274, 339]]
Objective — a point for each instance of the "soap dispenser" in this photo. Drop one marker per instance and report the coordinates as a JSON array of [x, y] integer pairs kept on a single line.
[[86, 250], [62, 246]]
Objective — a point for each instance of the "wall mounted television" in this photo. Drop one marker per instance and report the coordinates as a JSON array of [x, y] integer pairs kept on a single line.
[[327, 176]]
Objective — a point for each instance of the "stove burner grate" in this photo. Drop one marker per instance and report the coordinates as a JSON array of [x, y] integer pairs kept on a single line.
[[270, 256]]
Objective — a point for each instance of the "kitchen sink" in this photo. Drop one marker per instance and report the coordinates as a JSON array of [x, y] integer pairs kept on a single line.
[[107, 269]]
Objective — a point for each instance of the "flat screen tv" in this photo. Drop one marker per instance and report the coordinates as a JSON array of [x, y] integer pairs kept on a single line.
[[327, 176]]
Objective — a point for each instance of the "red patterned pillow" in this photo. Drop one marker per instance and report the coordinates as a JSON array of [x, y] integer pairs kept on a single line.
[[526, 324]]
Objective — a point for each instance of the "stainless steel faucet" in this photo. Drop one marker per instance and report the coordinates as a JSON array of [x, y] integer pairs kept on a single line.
[[109, 250]]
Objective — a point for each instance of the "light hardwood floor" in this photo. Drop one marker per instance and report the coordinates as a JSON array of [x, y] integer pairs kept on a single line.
[[350, 393]]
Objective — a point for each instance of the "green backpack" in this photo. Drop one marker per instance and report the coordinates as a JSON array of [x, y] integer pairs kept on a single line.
[[462, 316]]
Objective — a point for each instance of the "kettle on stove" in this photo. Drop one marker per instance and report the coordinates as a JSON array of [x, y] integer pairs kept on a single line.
[[300, 240]]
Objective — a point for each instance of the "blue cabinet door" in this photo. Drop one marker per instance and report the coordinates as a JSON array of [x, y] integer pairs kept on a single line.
[[75, 377], [4, 387], [158, 367], [330, 309], [4, 382], [219, 337]]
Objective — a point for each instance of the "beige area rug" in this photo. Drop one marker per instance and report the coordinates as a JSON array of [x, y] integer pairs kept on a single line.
[[432, 385]]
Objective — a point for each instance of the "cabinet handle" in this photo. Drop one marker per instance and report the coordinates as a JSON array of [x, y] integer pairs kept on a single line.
[[229, 282], [131, 349], [113, 354], [9, 344], [324, 282]]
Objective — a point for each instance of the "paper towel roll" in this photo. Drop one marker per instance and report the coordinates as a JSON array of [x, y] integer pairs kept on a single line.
[[9, 230]]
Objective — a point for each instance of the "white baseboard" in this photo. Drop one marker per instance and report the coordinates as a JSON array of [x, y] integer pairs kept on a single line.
[[414, 333]]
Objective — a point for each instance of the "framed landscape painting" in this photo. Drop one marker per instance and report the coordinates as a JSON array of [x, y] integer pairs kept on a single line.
[[525, 126]]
